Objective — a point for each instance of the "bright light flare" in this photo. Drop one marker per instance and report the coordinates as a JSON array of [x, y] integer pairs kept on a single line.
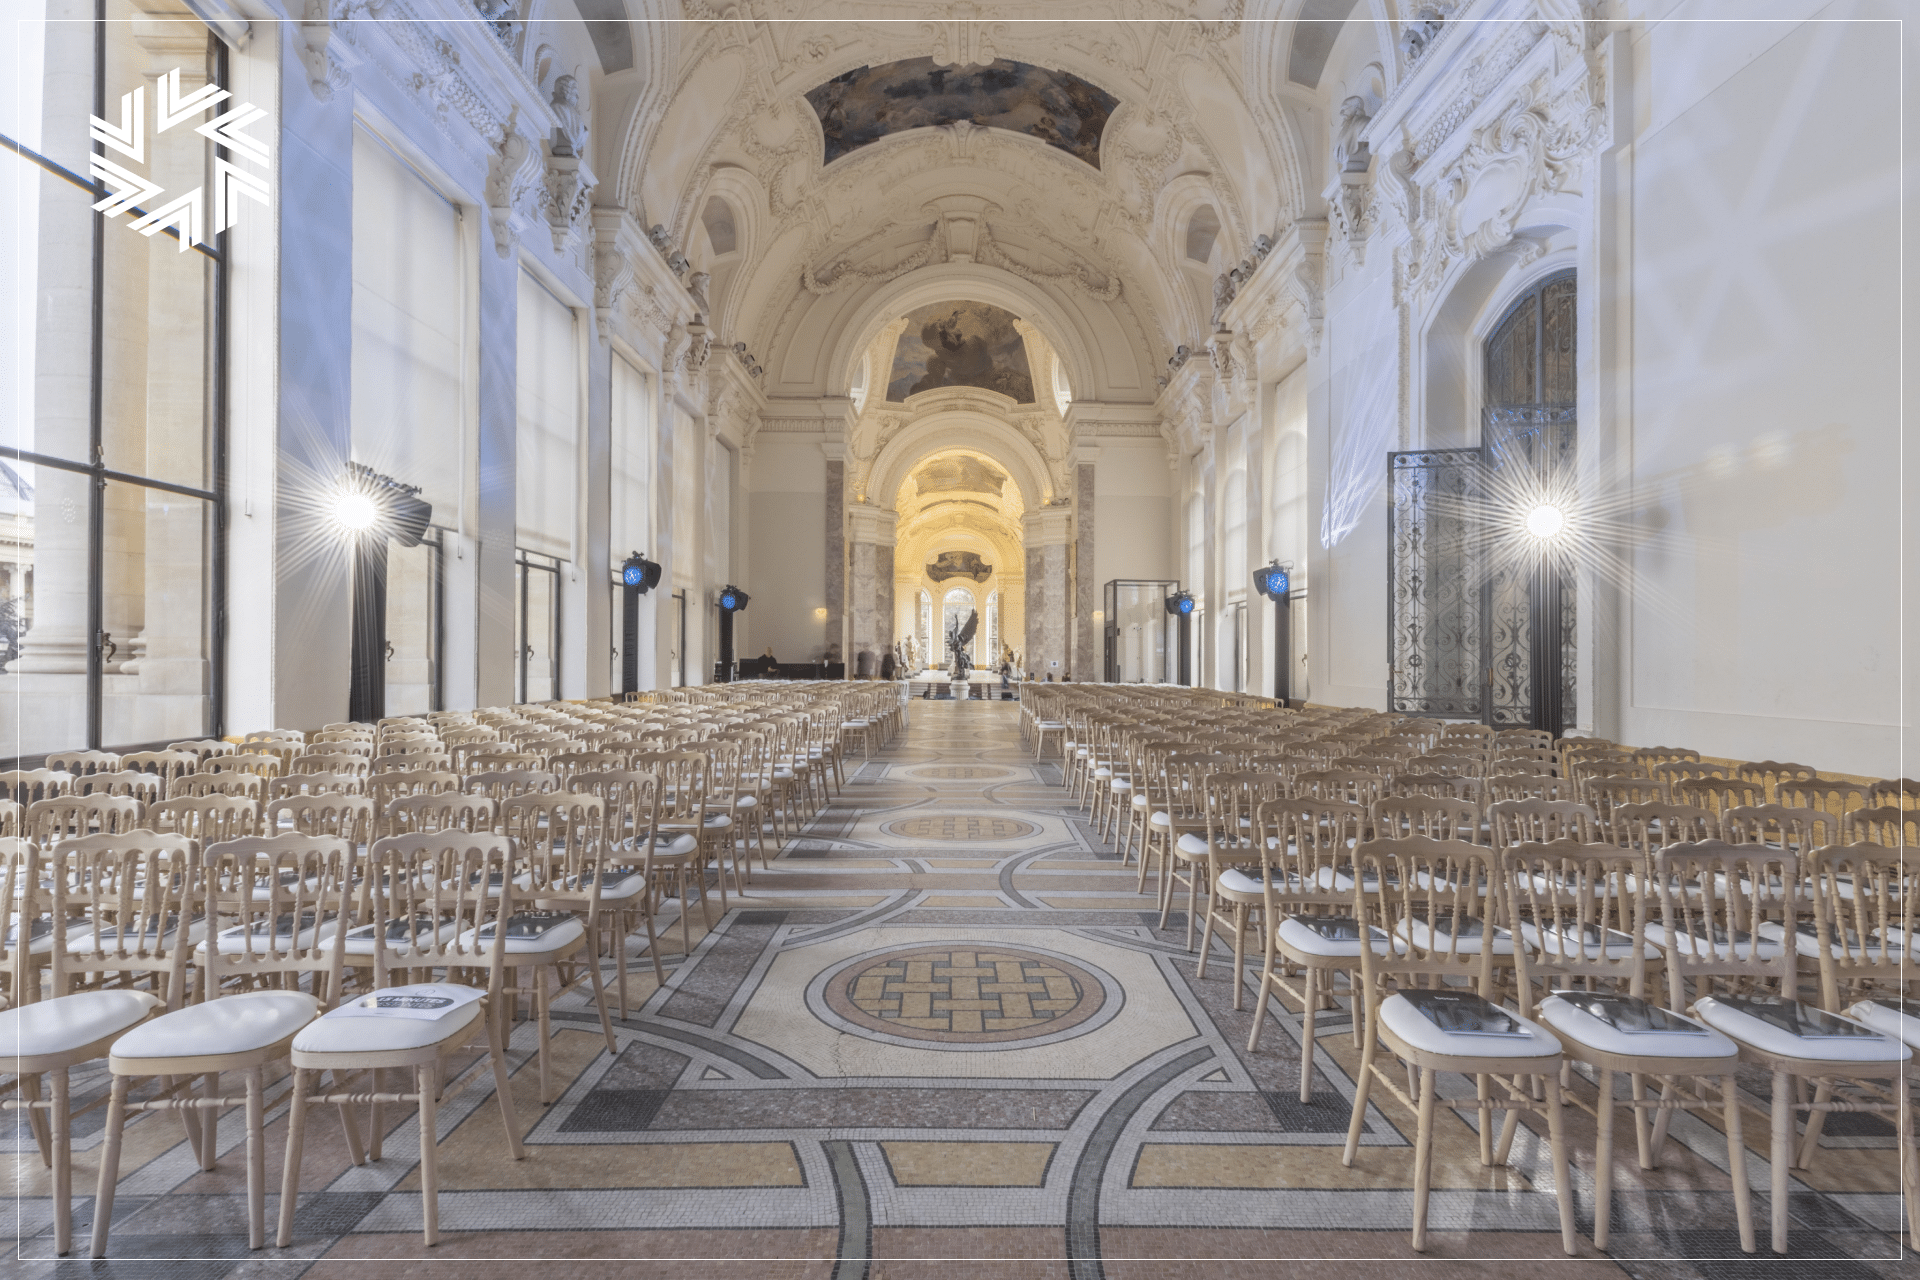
[[355, 511], [1546, 521]]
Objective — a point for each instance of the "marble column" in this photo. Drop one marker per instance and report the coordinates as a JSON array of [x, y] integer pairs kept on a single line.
[[1047, 535], [870, 582], [836, 556], [1087, 664], [496, 525]]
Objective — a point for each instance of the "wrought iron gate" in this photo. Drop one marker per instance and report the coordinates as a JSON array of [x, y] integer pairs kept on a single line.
[[1434, 613]]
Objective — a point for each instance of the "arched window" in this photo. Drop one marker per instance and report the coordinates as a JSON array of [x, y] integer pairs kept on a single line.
[[953, 613], [1530, 353], [1202, 230], [718, 219]]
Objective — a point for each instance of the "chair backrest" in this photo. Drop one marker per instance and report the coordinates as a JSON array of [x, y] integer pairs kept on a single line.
[[1440, 761], [628, 799], [385, 788], [504, 761], [1885, 824], [201, 748], [1718, 794], [168, 765], [144, 787], [81, 763], [1534, 739], [330, 762], [1457, 786], [70, 817], [1902, 793], [1771, 774], [413, 762], [1340, 784], [24, 786], [1677, 771], [1527, 786], [250, 785], [261, 763], [440, 811], [208, 819], [510, 782], [1801, 830], [324, 813], [683, 776], [282, 904], [137, 907], [1517, 822], [430, 893], [353, 784], [1437, 899], [273, 735], [1712, 899], [21, 870], [1664, 755], [1607, 795], [1537, 762], [1396, 817], [1866, 918], [567, 764], [1648, 828], [406, 744], [1576, 913], [558, 837]]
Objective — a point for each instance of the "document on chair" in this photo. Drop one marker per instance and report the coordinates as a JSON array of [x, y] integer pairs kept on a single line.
[[1465, 1014], [424, 1001], [1631, 1014], [1796, 1019]]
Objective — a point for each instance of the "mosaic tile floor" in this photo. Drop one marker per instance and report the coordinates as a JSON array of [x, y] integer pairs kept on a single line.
[[941, 1036]]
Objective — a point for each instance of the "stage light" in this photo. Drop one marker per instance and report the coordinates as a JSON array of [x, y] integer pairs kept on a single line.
[[640, 573], [1180, 602], [732, 599], [1546, 521], [355, 511], [1272, 582]]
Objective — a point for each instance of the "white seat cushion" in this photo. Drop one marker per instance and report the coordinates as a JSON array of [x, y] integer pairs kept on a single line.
[[1190, 844], [66, 1023], [231, 1024], [1885, 1019], [1725, 1014], [1421, 934], [1806, 942], [746, 800], [854, 724], [1300, 939], [679, 847], [360, 941], [1579, 1027], [381, 1035], [1418, 1031], [1563, 942], [1741, 946], [40, 933], [558, 938]]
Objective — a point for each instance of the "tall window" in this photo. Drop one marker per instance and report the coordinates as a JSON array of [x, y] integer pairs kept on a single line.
[[408, 407], [992, 648], [547, 485], [112, 502], [631, 499], [927, 655]]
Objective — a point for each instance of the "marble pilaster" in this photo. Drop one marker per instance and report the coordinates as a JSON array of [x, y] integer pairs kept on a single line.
[[1087, 664], [836, 556], [870, 583], [1047, 535]]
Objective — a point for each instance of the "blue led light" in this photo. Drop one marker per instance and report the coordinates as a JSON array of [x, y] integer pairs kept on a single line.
[[728, 600], [1277, 582], [1186, 604], [633, 575]]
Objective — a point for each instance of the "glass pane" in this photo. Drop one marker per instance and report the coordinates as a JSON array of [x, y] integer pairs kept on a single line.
[[413, 626], [43, 617], [1557, 355], [156, 351], [519, 632], [1143, 631], [154, 567], [1510, 355], [542, 662]]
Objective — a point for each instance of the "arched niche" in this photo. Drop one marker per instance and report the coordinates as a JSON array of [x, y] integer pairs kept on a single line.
[[970, 282], [968, 429]]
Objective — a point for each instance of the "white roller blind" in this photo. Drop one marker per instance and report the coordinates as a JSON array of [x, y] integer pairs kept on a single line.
[[409, 309], [548, 398], [633, 446]]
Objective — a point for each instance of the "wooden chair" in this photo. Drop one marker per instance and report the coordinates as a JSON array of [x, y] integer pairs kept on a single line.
[[1649, 828], [82, 763], [1306, 882], [332, 762], [260, 763], [188, 785], [444, 901], [1718, 794], [1885, 824], [208, 819], [1517, 822], [1665, 755], [1774, 774], [1436, 817], [1903, 793], [558, 839], [1231, 801], [1801, 830], [296, 784], [46, 1039], [629, 801], [681, 810], [25, 786], [412, 762], [166, 765], [1744, 984], [147, 788], [1421, 883], [1608, 795], [441, 811], [328, 813], [70, 817], [135, 906], [201, 748], [1583, 936]]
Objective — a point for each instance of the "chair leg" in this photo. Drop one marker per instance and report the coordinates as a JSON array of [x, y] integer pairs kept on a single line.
[[1362, 1086], [503, 1084], [109, 1164], [256, 1085], [290, 1169], [1206, 943], [1309, 1017], [1816, 1121], [1780, 1155], [1240, 911], [1603, 1162], [209, 1118], [427, 1075], [37, 1119], [1737, 1161], [1641, 1135], [1423, 1159], [62, 1142], [592, 957], [540, 1015], [1562, 1184]]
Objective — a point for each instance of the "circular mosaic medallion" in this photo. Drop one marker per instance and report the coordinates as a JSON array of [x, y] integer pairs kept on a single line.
[[960, 995], [960, 828], [961, 772]]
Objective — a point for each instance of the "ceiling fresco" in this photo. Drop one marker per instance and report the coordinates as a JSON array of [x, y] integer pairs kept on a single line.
[[868, 103], [961, 344]]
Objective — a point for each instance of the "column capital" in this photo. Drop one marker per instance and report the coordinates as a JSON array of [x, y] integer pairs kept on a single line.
[[1047, 527], [872, 524]]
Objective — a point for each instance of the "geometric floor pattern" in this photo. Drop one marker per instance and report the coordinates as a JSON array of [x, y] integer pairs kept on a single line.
[[942, 1035]]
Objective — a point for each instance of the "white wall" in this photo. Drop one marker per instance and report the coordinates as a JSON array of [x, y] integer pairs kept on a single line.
[[1763, 426], [786, 551]]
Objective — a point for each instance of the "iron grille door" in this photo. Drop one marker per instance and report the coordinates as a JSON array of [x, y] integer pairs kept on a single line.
[[1529, 458], [1434, 623]]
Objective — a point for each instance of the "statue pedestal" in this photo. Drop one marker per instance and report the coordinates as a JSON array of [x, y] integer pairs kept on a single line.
[[959, 686]]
